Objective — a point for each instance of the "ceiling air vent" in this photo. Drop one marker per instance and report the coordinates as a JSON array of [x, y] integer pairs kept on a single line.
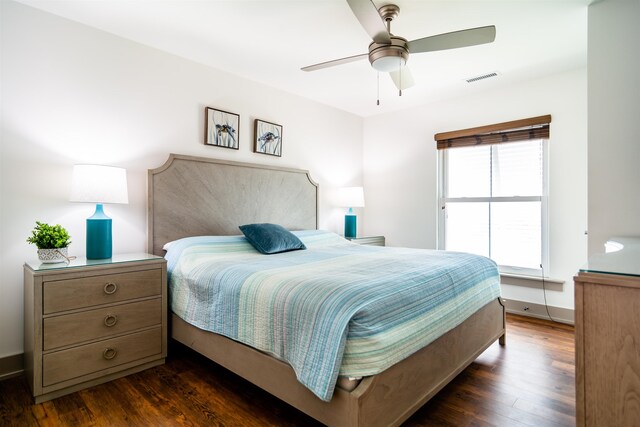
[[482, 77]]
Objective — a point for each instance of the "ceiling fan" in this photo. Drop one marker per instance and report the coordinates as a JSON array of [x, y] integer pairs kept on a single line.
[[389, 53]]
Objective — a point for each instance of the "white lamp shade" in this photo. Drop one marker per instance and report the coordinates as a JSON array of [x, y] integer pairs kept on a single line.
[[99, 184], [350, 197]]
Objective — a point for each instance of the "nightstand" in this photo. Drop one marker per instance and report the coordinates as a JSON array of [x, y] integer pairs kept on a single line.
[[371, 240], [91, 321]]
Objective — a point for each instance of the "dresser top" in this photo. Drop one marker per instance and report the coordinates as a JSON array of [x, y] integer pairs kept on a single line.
[[622, 257], [37, 265]]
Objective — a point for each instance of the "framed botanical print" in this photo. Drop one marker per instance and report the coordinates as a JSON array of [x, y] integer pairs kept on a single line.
[[267, 138], [221, 128]]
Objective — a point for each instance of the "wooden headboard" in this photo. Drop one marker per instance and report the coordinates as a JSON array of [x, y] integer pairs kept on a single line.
[[197, 196]]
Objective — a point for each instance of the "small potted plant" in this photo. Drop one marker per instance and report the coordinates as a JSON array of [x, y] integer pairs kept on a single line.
[[52, 242]]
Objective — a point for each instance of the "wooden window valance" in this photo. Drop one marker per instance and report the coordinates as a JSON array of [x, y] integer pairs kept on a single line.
[[516, 130]]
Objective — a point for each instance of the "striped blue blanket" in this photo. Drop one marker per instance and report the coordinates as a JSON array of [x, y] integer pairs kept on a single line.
[[337, 308]]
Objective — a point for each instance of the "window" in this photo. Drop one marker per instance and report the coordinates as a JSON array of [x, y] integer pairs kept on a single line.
[[493, 197]]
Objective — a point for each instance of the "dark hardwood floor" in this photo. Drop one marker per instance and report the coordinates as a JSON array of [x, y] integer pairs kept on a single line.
[[528, 382]]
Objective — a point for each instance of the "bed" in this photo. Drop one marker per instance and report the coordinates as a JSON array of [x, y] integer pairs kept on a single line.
[[193, 196]]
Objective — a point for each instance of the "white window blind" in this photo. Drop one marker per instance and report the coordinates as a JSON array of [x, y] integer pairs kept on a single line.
[[493, 203]]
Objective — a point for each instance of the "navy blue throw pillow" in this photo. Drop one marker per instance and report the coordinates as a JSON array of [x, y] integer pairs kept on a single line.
[[271, 238]]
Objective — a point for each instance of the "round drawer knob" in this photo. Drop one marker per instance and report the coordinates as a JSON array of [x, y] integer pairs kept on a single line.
[[110, 320], [109, 353], [110, 288]]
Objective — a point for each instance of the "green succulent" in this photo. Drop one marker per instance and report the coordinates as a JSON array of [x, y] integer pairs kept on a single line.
[[46, 236]]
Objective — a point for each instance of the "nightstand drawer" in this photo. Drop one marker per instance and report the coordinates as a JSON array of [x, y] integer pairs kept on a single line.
[[68, 329], [78, 361], [89, 291]]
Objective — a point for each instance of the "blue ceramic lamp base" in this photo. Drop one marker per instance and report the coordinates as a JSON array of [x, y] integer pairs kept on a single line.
[[99, 235], [350, 225]]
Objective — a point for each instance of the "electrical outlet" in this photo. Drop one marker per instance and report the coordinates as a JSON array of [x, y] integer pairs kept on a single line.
[[525, 308]]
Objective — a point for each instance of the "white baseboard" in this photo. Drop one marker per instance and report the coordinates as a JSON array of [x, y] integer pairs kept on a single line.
[[558, 314]]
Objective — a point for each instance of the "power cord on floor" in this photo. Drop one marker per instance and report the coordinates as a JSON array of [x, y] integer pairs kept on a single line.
[[544, 293]]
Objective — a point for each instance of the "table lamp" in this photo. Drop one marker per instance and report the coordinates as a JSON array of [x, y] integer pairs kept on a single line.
[[99, 184], [350, 197]]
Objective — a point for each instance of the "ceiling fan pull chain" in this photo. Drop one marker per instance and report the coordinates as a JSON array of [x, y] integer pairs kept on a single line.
[[400, 73], [378, 93]]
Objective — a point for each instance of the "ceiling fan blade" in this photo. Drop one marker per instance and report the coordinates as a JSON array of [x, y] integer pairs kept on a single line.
[[369, 17], [453, 40], [335, 62], [403, 76]]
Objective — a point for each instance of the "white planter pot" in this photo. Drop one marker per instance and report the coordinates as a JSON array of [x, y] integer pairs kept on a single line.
[[50, 256]]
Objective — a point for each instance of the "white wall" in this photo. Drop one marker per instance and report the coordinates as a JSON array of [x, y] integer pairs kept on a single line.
[[72, 94], [614, 121], [400, 175]]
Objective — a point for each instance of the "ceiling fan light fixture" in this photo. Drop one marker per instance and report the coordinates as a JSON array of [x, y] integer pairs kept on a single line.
[[389, 57], [389, 63]]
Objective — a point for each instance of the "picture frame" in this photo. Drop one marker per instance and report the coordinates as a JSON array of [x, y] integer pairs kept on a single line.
[[222, 128], [267, 138]]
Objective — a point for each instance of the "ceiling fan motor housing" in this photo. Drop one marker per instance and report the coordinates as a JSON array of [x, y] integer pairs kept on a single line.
[[389, 57], [389, 12]]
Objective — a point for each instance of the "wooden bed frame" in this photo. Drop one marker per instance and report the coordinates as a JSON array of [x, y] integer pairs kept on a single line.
[[190, 196]]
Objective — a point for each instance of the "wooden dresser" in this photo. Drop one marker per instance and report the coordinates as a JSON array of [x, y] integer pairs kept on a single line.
[[91, 321], [607, 320]]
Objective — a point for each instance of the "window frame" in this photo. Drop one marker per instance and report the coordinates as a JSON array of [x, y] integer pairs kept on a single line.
[[544, 211]]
